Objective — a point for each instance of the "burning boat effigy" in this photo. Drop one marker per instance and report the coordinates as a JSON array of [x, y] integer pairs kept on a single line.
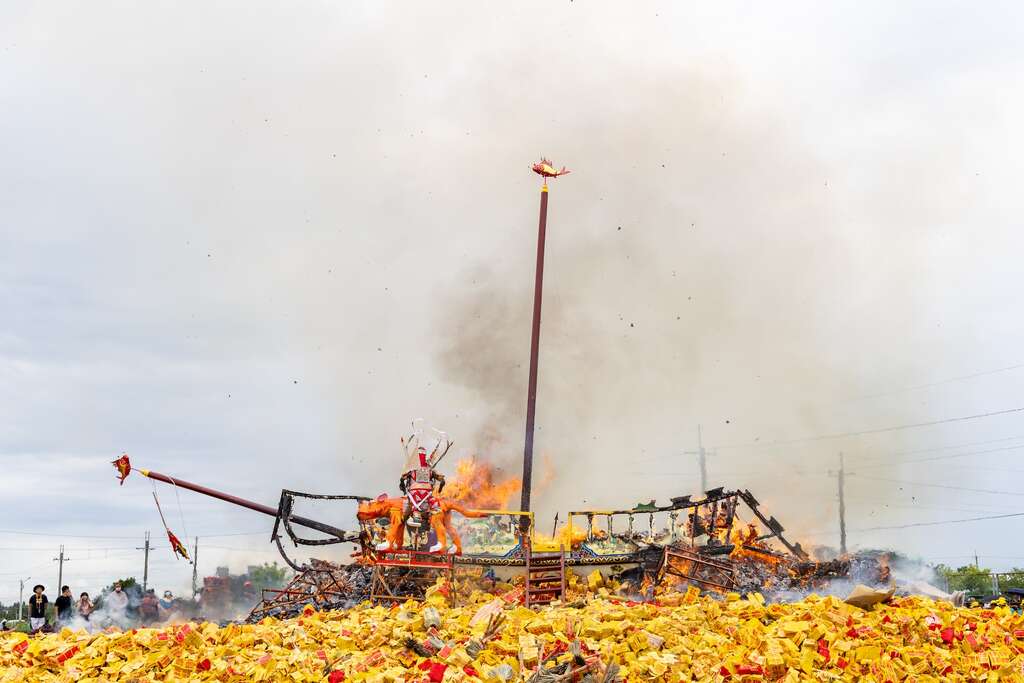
[[719, 543], [681, 591]]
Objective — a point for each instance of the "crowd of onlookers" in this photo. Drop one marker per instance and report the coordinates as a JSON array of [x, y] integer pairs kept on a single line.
[[115, 607]]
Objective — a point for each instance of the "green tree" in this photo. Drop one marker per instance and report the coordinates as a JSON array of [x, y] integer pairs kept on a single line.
[[1012, 579], [269, 575], [974, 580]]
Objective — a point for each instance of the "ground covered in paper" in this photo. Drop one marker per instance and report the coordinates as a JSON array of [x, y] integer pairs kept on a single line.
[[679, 637]]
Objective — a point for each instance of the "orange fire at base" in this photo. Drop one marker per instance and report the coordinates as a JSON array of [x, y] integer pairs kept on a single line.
[[747, 546], [569, 536], [474, 486]]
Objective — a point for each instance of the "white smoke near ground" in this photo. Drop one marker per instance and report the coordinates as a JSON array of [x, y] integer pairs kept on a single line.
[[106, 615]]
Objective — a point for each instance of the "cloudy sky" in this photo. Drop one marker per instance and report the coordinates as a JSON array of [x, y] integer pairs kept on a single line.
[[247, 243]]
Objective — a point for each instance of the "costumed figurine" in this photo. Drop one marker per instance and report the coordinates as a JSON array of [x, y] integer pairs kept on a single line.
[[420, 482], [421, 508]]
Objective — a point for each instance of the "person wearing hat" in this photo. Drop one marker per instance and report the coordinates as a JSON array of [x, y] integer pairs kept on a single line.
[[170, 606], [37, 608]]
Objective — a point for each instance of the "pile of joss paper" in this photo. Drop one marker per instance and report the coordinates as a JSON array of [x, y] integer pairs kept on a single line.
[[599, 637]]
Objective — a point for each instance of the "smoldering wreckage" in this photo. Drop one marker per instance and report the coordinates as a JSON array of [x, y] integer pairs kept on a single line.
[[720, 542], [454, 587]]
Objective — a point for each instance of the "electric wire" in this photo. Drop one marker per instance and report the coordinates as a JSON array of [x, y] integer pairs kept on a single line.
[[879, 430]]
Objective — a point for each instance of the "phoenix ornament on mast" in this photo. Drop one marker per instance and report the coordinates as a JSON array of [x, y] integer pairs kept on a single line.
[[544, 169]]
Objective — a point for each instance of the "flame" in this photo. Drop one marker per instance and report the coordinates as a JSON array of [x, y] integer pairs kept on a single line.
[[569, 536], [474, 486], [746, 536], [746, 546]]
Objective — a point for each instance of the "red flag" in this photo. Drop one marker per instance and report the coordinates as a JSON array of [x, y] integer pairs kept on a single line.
[[176, 545], [123, 466]]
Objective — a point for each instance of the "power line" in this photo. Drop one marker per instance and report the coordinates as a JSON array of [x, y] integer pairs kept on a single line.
[[35, 548], [42, 533], [244, 550], [994, 557], [947, 521], [59, 535], [658, 458], [919, 524], [873, 503], [940, 457], [958, 445], [880, 430], [983, 468], [938, 383], [940, 486]]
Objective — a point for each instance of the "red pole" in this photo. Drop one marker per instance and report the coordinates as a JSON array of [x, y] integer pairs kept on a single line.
[[235, 500], [531, 392], [213, 493]]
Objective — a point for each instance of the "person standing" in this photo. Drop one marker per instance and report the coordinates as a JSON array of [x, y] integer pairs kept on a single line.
[[149, 608], [37, 608], [63, 605], [166, 605], [116, 602], [85, 606]]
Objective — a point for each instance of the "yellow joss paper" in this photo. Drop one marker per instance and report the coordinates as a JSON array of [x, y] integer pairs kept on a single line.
[[684, 636]]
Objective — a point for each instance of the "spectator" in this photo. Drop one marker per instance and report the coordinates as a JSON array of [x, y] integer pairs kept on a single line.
[[149, 609], [166, 605], [85, 606], [63, 605], [37, 609], [117, 604]]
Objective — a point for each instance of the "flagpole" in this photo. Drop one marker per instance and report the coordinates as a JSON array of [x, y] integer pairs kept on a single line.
[[531, 392]]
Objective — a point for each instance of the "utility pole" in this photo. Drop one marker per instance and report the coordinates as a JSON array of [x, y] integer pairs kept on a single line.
[[976, 565], [531, 391], [195, 569], [840, 475], [21, 595], [842, 505], [703, 461], [145, 563], [60, 559], [701, 454]]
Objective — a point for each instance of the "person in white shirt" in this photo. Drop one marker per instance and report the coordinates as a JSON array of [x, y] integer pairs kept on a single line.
[[116, 603]]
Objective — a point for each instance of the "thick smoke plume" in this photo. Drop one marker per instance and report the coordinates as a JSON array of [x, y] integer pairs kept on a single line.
[[650, 325]]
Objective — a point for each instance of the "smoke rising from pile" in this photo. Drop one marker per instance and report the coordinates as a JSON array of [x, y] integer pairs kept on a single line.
[[686, 270]]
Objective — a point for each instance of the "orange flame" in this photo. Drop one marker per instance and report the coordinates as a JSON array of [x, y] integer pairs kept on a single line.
[[745, 540], [569, 536], [474, 486], [745, 536]]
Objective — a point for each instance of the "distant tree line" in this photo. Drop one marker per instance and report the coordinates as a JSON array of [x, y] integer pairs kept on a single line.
[[978, 580]]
